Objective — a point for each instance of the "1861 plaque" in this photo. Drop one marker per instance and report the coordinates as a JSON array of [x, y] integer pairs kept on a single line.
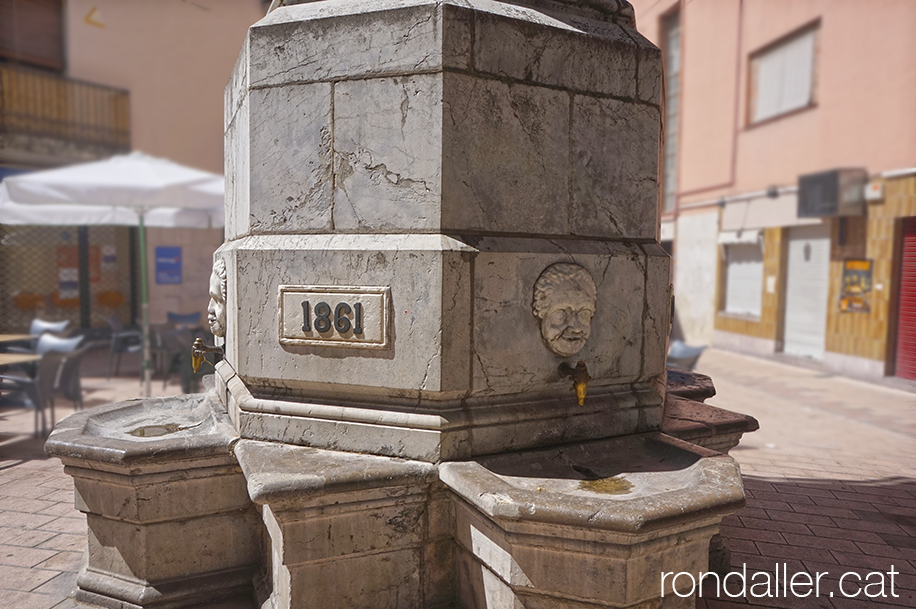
[[334, 316]]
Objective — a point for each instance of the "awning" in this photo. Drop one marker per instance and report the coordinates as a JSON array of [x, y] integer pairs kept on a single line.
[[732, 237]]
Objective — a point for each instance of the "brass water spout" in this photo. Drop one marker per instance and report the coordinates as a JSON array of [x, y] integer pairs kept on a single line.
[[580, 378], [199, 351]]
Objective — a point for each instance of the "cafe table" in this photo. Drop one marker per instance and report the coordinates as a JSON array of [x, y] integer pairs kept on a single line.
[[10, 359], [15, 338]]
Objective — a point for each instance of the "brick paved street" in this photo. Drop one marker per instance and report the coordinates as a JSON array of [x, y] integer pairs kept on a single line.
[[830, 478], [42, 537]]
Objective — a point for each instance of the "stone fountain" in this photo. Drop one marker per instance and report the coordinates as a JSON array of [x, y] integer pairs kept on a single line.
[[445, 314]]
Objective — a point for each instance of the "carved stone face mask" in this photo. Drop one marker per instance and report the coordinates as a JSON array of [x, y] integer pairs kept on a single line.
[[216, 310], [564, 300]]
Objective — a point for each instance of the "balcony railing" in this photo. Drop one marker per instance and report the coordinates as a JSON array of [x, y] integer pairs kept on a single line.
[[37, 103]]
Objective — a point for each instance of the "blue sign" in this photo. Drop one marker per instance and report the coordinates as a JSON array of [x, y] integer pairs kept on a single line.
[[168, 264]]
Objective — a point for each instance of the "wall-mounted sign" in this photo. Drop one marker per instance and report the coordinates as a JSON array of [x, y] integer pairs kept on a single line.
[[856, 286], [68, 262], [334, 316], [168, 264], [109, 258]]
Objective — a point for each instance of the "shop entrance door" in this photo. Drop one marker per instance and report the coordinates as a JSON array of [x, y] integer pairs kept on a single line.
[[807, 288], [906, 317]]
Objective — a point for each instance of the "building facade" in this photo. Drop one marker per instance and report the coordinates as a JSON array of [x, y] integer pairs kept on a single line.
[[83, 80], [790, 188]]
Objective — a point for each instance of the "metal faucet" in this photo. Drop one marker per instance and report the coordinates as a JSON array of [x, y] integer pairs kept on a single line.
[[199, 351], [580, 378]]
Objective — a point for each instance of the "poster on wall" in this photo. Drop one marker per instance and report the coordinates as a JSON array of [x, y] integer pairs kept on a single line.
[[109, 258], [168, 265], [68, 262], [856, 286]]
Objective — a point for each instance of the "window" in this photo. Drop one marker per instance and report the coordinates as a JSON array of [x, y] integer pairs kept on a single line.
[[31, 32], [743, 278], [782, 76], [671, 32]]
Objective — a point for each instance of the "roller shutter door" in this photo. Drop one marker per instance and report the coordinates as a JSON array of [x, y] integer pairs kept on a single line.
[[744, 279], [906, 320], [807, 289], [31, 32]]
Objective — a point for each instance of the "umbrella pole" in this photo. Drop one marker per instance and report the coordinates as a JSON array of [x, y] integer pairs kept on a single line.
[[144, 308]]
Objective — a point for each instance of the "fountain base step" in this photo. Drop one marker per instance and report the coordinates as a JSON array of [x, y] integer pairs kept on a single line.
[[221, 590], [196, 517]]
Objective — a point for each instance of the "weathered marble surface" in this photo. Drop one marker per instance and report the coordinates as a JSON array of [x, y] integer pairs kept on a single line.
[[290, 159], [450, 151], [588, 525], [515, 530], [443, 116], [349, 530], [169, 519], [447, 431], [386, 154], [464, 330], [705, 425]]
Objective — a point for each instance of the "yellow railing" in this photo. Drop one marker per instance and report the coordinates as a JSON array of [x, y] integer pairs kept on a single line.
[[38, 103]]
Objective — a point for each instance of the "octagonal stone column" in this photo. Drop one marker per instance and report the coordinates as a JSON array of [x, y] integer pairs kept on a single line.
[[446, 153]]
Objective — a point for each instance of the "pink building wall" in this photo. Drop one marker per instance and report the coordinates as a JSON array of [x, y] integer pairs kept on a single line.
[[865, 84], [175, 57]]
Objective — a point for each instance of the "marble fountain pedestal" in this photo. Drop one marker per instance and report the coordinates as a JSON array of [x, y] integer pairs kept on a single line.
[[445, 314]]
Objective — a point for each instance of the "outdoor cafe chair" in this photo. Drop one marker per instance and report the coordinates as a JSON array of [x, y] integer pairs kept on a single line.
[[175, 344], [682, 356], [39, 390], [49, 342], [46, 343], [38, 329], [123, 340], [40, 326], [67, 382]]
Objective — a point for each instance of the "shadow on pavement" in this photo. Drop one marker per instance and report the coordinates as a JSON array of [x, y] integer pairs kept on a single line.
[[16, 448], [809, 527]]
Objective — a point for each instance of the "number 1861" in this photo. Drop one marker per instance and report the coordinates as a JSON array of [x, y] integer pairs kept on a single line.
[[323, 320]]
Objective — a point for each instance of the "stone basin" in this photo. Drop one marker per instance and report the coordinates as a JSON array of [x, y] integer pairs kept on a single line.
[[614, 471], [630, 485], [170, 523], [145, 420], [537, 528], [139, 431]]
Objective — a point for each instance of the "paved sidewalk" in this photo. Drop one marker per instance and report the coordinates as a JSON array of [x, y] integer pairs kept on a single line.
[[42, 536], [830, 480]]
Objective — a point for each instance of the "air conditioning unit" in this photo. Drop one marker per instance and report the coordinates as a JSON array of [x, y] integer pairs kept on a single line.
[[838, 192]]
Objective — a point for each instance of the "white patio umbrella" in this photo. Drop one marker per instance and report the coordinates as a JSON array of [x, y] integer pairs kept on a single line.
[[127, 190]]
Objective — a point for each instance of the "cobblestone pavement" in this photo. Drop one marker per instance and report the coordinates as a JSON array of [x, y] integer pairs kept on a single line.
[[831, 486], [42, 536], [830, 478]]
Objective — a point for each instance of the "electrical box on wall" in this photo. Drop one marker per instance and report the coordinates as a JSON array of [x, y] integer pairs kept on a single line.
[[874, 191], [838, 192]]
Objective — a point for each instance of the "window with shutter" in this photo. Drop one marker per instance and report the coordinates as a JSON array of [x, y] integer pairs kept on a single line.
[[31, 32], [744, 279], [782, 77]]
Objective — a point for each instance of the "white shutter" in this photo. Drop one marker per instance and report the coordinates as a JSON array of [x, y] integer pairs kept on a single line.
[[785, 77], [807, 290], [744, 279]]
